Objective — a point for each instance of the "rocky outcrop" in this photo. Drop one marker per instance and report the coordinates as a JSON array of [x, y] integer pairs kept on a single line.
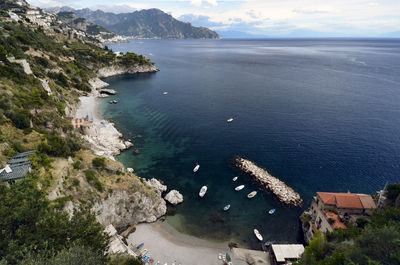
[[284, 193], [97, 83], [104, 139], [160, 188], [120, 70], [174, 197], [124, 208]]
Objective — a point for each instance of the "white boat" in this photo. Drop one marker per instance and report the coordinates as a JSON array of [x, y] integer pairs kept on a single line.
[[235, 178], [203, 191], [272, 211], [196, 168], [258, 235], [251, 194], [226, 208], [229, 120], [165, 93], [239, 187]]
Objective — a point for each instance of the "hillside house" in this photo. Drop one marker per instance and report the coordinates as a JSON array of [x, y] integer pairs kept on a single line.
[[17, 167], [330, 211]]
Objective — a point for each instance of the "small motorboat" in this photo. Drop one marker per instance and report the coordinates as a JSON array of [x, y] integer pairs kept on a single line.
[[235, 178], [196, 168], [228, 257], [113, 101], [226, 208], [229, 120], [258, 235], [165, 93], [272, 211], [239, 187], [251, 194], [203, 191]]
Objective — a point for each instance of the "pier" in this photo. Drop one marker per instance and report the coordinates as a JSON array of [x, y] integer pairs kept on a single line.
[[284, 193]]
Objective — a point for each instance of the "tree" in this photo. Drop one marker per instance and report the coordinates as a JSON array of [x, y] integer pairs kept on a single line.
[[29, 223], [379, 244], [392, 191], [316, 249]]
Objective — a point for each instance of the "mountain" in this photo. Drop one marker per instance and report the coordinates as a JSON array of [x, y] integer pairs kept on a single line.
[[149, 23], [82, 24]]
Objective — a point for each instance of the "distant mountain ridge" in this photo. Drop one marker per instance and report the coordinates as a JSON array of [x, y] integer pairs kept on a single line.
[[148, 23]]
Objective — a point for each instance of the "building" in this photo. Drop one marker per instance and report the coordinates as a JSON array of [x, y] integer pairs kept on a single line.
[[330, 211], [17, 167], [83, 122], [286, 253]]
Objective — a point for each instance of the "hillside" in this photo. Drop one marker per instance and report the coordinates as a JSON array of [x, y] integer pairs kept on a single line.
[[150, 23], [82, 24], [47, 217]]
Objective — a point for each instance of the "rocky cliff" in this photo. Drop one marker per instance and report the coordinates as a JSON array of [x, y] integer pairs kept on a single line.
[[120, 70]]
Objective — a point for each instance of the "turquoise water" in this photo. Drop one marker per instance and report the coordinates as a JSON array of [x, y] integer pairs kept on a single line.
[[321, 115]]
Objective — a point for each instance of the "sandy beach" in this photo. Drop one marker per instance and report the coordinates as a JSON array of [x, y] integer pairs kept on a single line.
[[167, 245], [104, 139]]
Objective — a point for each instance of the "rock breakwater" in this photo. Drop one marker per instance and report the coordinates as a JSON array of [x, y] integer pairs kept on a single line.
[[284, 193]]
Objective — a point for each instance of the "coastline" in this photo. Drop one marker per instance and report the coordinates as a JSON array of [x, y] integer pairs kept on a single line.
[[169, 246], [162, 240]]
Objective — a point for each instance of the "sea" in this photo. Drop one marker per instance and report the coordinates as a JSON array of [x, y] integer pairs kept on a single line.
[[319, 114]]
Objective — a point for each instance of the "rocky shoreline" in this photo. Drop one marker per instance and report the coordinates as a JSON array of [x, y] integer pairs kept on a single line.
[[104, 139], [123, 207], [284, 193]]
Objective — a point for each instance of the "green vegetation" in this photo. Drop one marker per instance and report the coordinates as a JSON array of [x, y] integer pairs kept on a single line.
[[34, 230], [93, 180], [99, 162], [59, 147], [30, 224], [375, 240]]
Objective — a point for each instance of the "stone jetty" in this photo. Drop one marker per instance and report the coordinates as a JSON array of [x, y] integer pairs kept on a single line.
[[284, 193]]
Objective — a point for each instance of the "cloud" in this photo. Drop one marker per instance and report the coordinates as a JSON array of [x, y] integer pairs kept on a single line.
[[199, 3]]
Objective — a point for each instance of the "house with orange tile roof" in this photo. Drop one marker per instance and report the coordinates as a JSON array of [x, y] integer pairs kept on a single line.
[[330, 211]]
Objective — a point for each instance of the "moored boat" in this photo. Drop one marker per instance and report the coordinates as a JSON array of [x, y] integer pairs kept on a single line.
[[203, 191], [258, 235], [235, 178], [196, 168], [229, 120], [165, 93], [226, 208], [272, 211], [251, 194], [239, 187]]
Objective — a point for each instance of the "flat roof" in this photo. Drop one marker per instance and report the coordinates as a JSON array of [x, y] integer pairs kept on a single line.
[[287, 251]]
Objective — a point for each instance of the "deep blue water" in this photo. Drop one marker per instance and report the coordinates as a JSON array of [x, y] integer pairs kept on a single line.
[[321, 115]]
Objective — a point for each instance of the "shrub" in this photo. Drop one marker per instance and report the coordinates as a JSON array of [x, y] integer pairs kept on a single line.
[[21, 120], [57, 146], [77, 165], [98, 162], [76, 182]]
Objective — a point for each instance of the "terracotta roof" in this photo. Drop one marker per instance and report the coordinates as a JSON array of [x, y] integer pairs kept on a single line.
[[334, 216], [347, 200]]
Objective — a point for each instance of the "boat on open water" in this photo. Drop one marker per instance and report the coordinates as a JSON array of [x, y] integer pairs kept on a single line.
[[258, 235], [203, 191], [252, 194], [239, 187], [235, 178], [226, 208], [196, 168], [272, 211]]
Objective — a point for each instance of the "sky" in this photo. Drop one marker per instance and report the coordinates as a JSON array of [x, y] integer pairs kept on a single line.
[[273, 18]]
